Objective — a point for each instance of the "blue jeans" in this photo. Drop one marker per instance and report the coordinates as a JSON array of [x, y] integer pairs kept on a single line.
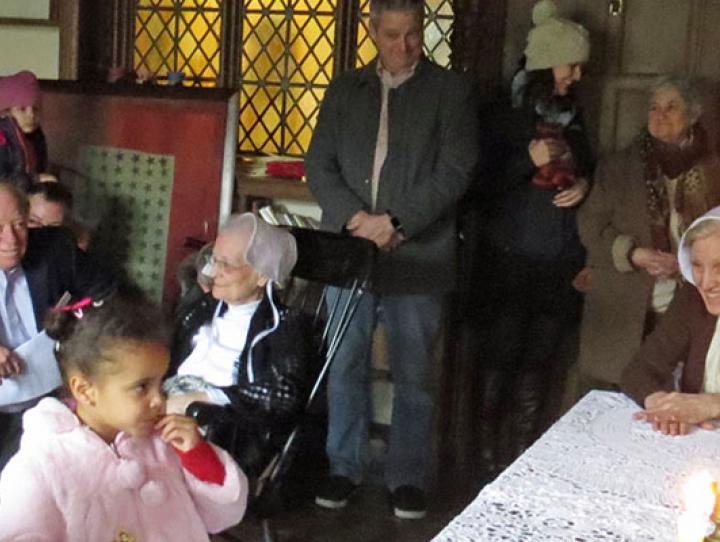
[[412, 323]]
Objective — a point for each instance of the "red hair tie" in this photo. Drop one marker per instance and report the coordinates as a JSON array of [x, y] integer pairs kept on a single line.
[[81, 304]]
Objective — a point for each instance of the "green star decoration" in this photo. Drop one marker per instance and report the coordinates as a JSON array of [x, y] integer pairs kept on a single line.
[[131, 206]]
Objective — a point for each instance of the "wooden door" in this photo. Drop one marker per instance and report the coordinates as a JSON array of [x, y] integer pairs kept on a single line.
[[648, 38]]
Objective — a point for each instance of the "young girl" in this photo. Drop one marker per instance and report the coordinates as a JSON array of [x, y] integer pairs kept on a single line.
[[23, 150], [109, 464]]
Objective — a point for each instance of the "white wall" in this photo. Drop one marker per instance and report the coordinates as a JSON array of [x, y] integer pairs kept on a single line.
[[27, 46], [35, 48], [25, 9]]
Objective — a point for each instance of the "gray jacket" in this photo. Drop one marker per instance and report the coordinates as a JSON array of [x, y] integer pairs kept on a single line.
[[432, 151]]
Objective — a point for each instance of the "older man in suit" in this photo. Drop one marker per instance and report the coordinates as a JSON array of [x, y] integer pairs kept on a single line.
[[37, 267]]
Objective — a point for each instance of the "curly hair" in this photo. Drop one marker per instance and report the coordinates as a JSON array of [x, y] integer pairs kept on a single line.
[[84, 336]]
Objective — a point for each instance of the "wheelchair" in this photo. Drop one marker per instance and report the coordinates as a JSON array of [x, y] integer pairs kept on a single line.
[[324, 260]]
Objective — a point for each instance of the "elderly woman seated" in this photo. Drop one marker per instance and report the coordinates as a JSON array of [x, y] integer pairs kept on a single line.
[[238, 345], [678, 397]]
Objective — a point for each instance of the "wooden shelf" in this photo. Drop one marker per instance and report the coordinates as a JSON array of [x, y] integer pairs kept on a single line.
[[271, 188]]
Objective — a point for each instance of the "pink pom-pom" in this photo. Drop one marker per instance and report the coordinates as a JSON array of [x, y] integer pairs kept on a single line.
[[130, 474], [153, 493]]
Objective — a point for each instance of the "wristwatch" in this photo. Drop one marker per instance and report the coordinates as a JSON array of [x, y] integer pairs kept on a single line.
[[396, 224]]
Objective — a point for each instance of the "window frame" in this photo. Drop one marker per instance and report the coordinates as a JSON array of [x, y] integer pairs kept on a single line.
[[347, 22]]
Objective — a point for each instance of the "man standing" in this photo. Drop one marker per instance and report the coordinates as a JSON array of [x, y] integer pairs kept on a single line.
[[36, 268], [393, 151]]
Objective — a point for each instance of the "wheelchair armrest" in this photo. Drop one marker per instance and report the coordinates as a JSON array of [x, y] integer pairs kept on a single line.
[[207, 413]]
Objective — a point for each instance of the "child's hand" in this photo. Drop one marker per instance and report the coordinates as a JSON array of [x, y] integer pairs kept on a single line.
[[179, 431]]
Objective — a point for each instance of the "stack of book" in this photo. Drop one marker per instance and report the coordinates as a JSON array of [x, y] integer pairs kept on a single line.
[[279, 216], [273, 165]]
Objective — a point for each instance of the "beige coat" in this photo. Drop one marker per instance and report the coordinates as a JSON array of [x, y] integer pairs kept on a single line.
[[612, 221]]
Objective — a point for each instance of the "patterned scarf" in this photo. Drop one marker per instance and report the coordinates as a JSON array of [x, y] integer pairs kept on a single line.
[[662, 161]]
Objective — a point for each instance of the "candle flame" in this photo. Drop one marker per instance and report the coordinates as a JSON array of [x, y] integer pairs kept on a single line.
[[699, 494]]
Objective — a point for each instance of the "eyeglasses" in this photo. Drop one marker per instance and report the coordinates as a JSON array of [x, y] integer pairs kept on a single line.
[[222, 266]]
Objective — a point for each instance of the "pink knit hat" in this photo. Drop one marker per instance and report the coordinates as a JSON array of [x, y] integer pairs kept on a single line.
[[19, 90]]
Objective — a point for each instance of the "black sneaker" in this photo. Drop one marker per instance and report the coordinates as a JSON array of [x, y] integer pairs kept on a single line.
[[409, 503], [334, 492]]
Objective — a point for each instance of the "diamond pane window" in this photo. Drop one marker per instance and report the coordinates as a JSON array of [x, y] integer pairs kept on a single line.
[[285, 66], [438, 28], [283, 63], [179, 35]]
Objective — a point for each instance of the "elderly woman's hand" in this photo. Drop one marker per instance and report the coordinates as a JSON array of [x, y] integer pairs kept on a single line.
[[178, 403], [674, 413], [573, 195], [657, 263]]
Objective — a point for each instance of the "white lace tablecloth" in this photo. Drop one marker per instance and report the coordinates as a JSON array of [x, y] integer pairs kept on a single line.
[[597, 474]]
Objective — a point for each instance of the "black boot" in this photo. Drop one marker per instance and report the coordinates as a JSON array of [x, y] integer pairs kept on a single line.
[[523, 423], [493, 386]]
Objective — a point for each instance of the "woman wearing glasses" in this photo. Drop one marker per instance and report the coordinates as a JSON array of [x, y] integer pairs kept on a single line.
[[238, 345]]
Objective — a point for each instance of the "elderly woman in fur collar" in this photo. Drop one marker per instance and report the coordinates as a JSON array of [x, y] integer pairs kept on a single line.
[[238, 345], [690, 334], [643, 200]]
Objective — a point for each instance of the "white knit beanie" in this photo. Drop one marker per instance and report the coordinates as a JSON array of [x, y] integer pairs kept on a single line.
[[554, 41]]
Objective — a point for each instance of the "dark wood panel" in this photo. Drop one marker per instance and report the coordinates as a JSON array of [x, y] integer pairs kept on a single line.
[[141, 91], [706, 47], [68, 17], [656, 36]]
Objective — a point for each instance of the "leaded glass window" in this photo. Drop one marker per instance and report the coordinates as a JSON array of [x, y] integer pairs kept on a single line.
[[287, 55], [179, 35], [287, 62]]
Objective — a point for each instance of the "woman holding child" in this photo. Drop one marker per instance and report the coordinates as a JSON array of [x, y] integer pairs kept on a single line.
[[537, 174]]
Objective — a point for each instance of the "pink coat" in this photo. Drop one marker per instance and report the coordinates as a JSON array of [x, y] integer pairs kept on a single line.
[[67, 484]]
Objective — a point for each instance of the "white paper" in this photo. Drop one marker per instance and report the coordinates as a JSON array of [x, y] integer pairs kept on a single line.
[[40, 372]]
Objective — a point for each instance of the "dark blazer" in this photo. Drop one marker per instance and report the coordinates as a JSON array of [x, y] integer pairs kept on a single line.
[[684, 335], [432, 151], [53, 265]]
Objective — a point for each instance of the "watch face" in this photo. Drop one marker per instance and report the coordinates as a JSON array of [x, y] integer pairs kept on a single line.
[[396, 224]]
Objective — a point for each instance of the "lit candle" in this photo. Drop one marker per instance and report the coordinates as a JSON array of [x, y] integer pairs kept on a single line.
[[699, 501], [691, 527]]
